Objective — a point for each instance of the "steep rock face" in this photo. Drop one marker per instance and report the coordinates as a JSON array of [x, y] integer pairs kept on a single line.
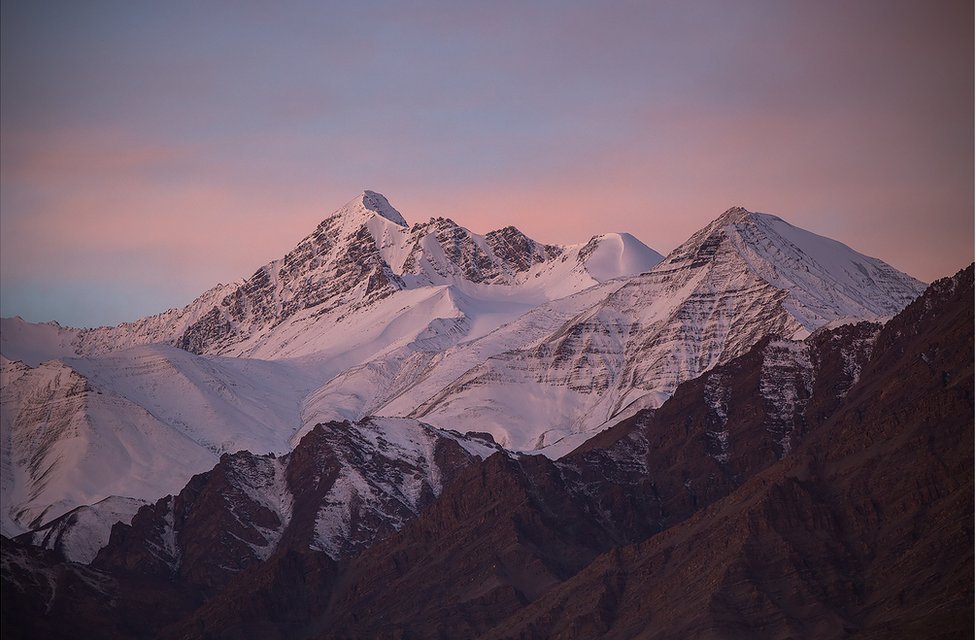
[[388, 470], [339, 264], [743, 277], [729, 424], [511, 531], [440, 250], [502, 533], [518, 251], [222, 522], [864, 531]]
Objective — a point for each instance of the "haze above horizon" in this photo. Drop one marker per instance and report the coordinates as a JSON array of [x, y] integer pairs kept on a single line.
[[149, 152]]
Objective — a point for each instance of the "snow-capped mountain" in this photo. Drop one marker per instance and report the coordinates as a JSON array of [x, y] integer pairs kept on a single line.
[[363, 267], [744, 276], [119, 411]]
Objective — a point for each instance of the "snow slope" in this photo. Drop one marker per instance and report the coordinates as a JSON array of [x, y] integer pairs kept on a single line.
[[34, 343], [80, 533], [135, 423]]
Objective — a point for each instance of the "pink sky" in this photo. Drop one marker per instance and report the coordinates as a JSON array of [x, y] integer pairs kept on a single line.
[[150, 152]]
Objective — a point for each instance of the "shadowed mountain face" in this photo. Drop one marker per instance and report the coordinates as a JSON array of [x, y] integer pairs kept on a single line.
[[820, 488]]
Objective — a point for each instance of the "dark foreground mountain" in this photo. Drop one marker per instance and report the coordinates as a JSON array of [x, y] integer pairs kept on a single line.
[[820, 488]]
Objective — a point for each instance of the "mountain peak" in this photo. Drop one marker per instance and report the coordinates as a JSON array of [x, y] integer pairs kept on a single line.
[[377, 203], [371, 203], [826, 279], [734, 214]]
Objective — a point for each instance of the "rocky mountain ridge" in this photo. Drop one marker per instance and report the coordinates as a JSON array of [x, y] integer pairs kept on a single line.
[[361, 254]]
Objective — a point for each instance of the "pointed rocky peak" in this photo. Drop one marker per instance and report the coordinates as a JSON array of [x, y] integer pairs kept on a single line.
[[705, 244], [366, 206], [734, 214], [377, 203], [508, 233], [513, 236], [729, 224], [516, 248], [822, 275], [434, 223], [739, 215]]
